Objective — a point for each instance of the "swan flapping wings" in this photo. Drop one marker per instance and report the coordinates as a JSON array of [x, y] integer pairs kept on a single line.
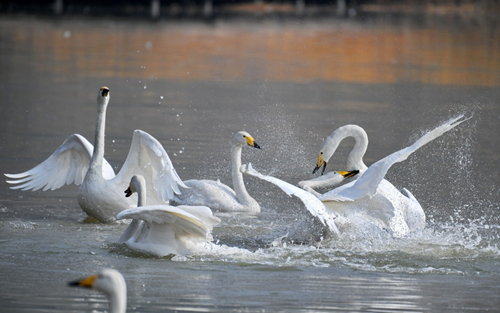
[[148, 158], [312, 203], [368, 182], [67, 165]]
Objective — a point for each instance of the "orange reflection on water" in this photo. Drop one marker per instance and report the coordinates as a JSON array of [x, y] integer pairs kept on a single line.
[[267, 51]]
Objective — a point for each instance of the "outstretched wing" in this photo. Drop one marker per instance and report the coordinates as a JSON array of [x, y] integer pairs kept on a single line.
[[165, 214], [67, 165], [148, 158], [368, 182], [312, 203]]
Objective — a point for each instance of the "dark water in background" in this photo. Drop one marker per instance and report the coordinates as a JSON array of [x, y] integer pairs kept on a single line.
[[290, 84]]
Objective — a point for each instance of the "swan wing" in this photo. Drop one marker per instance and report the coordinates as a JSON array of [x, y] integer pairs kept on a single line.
[[203, 213], [148, 158], [166, 214], [67, 165], [368, 182], [312, 203]]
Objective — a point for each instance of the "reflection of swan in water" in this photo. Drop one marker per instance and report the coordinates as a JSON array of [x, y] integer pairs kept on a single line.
[[109, 282], [370, 193], [165, 229], [101, 192], [218, 196]]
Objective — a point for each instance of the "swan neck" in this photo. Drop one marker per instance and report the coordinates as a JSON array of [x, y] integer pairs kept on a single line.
[[355, 158], [238, 183], [141, 195], [98, 154], [118, 300]]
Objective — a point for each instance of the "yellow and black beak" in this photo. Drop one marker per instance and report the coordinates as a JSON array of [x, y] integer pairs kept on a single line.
[[251, 142], [348, 174], [128, 192], [87, 282], [104, 91], [321, 162]]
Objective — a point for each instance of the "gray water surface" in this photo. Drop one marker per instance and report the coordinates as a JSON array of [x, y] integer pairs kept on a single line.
[[289, 84]]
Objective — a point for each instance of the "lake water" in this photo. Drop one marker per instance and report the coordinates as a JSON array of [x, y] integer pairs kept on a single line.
[[289, 83]]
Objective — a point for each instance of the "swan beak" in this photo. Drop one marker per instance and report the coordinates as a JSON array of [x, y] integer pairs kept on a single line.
[[128, 192], [321, 162], [104, 91], [87, 282], [251, 142], [348, 174]]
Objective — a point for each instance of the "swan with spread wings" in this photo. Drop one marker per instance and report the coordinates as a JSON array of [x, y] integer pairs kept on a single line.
[[100, 194]]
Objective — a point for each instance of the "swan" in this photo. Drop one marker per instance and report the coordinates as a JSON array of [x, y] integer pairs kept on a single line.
[[110, 282], [100, 192], [331, 220], [219, 196], [164, 229], [370, 193]]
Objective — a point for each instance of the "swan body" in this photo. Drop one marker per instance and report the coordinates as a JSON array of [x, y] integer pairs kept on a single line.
[[109, 282], [163, 229], [217, 195], [370, 193], [77, 162]]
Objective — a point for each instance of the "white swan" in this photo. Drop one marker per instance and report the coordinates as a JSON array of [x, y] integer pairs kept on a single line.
[[218, 196], [370, 193], [165, 229], [329, 219], [101, 192], [111, 283]]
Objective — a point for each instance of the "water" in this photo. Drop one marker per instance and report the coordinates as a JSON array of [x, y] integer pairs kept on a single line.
[[290, 84]]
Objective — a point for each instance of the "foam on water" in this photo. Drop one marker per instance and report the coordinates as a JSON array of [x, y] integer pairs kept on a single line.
[[441, 248]]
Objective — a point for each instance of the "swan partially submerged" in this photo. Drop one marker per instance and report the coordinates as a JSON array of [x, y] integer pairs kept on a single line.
[[111, 283], [370, 193], [164, 229], [100, 194], [218, 196]]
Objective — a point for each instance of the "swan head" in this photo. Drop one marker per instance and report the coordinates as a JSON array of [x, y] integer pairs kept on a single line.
[[107, 281], [103, 96], [331, 143], [136, 184], [326, 151], [242, 138]]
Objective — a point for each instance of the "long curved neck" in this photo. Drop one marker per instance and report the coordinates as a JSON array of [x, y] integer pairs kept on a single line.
[[98, 154], [238, 184], [355, 158], [141, 195], [118, 301]]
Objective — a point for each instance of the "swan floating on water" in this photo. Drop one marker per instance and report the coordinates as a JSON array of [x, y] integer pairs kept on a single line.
[[218, 196], [110, 282], [164, 229], [101, 192], [370, 193]]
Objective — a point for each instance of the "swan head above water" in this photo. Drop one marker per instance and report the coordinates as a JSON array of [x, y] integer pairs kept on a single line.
[[242, 138], [331, 143], [103, 96], [109, 282], [136, 184]]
